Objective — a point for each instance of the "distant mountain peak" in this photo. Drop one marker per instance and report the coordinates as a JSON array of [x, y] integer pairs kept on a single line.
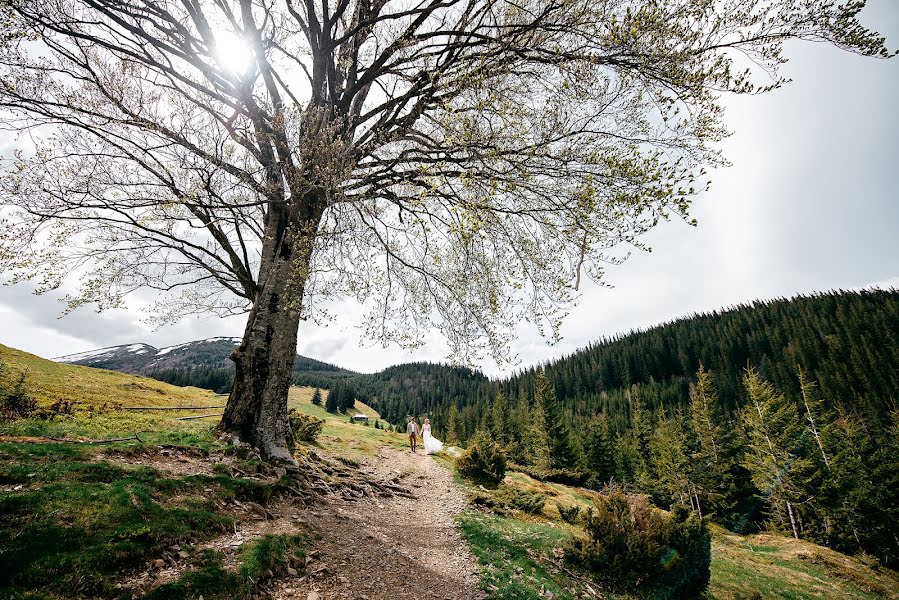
[[144, 359]]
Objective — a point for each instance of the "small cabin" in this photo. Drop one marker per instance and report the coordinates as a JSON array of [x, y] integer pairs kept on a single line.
[[360, 418]]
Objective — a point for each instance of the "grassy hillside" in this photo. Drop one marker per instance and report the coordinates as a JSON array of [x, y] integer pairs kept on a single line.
[[79, 520], [520, 555], [49, 381]]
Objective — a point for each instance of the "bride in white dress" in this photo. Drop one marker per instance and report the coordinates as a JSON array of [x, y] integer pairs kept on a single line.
[[432, 444]]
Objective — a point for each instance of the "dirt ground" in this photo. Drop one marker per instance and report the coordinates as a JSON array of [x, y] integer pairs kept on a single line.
[[394, 547]]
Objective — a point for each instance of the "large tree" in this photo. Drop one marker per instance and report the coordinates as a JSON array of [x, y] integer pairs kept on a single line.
[[458, 164]]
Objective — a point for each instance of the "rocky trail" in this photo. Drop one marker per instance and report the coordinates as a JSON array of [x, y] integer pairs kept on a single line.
[[394, 547]]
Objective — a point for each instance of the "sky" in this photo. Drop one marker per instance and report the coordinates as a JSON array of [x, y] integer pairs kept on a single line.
[[809, 203]]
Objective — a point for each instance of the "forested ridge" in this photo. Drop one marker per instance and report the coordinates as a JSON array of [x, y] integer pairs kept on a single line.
[[847, 342]]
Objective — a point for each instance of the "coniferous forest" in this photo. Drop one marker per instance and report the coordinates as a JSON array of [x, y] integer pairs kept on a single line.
[[778, 415]]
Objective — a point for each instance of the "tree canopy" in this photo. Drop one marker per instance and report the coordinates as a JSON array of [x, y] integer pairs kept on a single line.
[[451, 164]]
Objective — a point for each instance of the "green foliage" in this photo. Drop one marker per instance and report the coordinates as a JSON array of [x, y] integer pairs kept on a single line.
[[510, 498], [599, 452], [562, 454], [304, 428], [317, 397], [569, 514], [776, 452], [633, 546], [483, 461], [15, 400]]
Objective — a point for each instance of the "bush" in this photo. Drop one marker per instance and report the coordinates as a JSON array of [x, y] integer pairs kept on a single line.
[[507, 498], [632, 545], [572, 477], [569, 515], [529, 502], [15, 401], [483, 462], [304, 428]]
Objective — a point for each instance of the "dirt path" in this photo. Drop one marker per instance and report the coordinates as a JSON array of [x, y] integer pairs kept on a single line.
[[395, 547]]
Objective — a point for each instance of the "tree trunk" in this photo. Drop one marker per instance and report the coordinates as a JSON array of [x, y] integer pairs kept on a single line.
[[792, 520], [257, 407]]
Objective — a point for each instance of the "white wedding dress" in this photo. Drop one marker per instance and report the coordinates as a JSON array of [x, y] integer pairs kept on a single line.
[[432, 444]]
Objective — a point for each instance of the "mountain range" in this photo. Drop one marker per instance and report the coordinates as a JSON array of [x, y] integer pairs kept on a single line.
[[201, 363]]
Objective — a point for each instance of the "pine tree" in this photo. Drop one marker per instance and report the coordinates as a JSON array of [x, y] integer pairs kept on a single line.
[[331, 403], [499, 423], [599, 451], [632, 445], [454, 427], [774, 455], [534, 442], [670, 464], [317, 397], [714, 456], [562, 454]]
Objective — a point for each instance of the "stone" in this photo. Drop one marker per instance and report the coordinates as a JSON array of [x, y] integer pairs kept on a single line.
[[182, 554], [158, 563], [291, 571], [313, 595]]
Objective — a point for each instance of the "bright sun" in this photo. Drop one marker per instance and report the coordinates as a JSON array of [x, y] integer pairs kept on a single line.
[[232, 52]]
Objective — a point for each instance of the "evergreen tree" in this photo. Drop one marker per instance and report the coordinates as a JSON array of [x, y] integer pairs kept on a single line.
[[632, 446], [670, 463], [317, 397], [714, 457], [599, 451], [775, 450], [331, 402], [534, 443], [454, 427], [499, 423], [562, 454]]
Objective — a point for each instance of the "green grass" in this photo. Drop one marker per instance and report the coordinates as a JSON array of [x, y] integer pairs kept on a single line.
[[515, 555], [79, 522], [268, 556], [73, 521], [351, 440], [779, 567]]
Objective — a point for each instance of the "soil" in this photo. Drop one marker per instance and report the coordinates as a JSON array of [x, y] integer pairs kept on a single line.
[[394, 547]]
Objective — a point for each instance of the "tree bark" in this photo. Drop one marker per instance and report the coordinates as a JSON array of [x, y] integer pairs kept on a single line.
[[257, 407], [792, 520]]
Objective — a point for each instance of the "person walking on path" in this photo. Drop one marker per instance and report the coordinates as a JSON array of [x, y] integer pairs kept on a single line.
[[412, 430]]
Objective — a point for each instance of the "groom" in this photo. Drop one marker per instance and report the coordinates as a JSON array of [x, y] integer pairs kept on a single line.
[[412, 430]]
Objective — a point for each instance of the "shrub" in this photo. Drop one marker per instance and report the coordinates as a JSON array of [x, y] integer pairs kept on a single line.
[[15, 401], [483, 462], [303, 428], [506, 498], [569, 515], [529, 502], [572, 477], [632, 545]]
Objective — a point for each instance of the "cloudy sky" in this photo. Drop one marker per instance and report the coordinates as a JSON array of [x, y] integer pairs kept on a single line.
[[810, 203]]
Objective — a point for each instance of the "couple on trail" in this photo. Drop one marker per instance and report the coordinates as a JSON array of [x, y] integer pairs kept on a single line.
[[432, 444]]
